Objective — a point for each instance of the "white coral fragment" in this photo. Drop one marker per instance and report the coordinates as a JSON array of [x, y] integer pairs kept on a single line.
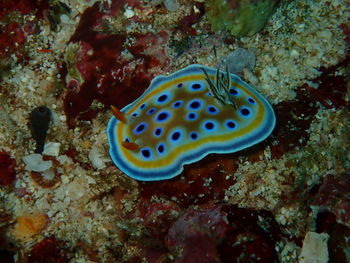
[[171, 5], [96, 157], [315, 248], [52, 148], [34, 162]]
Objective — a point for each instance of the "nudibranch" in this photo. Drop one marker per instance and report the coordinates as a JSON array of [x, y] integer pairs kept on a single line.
[[183, 117]]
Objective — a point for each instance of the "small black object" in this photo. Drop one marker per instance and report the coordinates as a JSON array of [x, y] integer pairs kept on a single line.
[[39, 121]]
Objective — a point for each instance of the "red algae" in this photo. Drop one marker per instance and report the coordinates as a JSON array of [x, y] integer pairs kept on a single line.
[[12, 38], [334, 196], [48, 250], [295, 117], [14, 28], [119, 79], [154, 255], [226, 234], [158, 217], [346, 30], [7, 169], [74, 154], [339, 236], [338, 243], [202, 182], [89, 251], [24, 7], [332, 88], [186, 23], [252, 236]]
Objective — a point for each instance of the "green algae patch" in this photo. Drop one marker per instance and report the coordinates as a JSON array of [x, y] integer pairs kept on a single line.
[[240, 17]]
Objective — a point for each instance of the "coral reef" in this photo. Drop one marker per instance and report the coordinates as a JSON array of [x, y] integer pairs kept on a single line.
[[270, 203]]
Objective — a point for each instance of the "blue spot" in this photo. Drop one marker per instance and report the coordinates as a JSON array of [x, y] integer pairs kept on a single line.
[[146, 153], [193, 135], [162, 116], [231, 124], [140, 128], [151, 111], [209, 125], [196, 86], [251, 101], [234, 92], [179, 85], [126, 139], [176, 135], [135, 114], [245, 112], [177, 104], [191, 116], [160, 148], [212, 109], [162, 98], [195, 105], [158, 132], [209, 94], [142, 106]]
